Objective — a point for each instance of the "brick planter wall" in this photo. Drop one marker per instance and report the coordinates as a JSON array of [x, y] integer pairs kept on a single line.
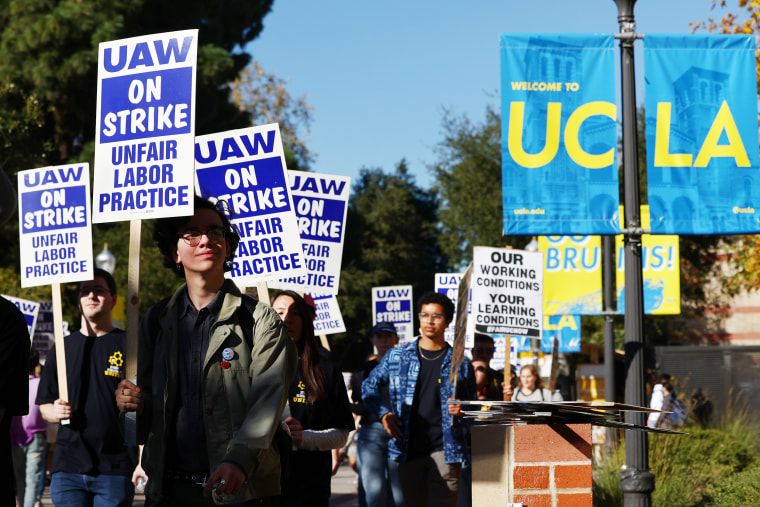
[[536, 465]]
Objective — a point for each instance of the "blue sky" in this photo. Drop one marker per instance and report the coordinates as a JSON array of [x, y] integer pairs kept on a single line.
[[380, 74]]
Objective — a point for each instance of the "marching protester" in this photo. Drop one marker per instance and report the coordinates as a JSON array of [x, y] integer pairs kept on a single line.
[[91, 464], [319, 413], [428, 435], [487, 387], [378, 474], [29, 439], [531, 387], [483, 350], [213, 371]]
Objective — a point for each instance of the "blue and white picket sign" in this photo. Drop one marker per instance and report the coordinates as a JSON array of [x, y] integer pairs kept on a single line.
[[448, 285], [559, 134], [246, 169], [394, 304], [30, 309], [55, 236], [566, 328], [329, 320], [321, 204], [702, 145], [145, 127]]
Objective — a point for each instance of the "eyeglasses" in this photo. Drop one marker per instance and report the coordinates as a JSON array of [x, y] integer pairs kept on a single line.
[[436, 317], [193, 236], [98, 291]]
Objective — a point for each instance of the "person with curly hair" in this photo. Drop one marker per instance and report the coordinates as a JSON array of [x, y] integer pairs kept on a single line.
[[213, 371]]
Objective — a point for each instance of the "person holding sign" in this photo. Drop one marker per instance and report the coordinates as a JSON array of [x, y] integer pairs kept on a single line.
[[213, 371], [428, 437], [91, 464], [531, 387], [320, 416]]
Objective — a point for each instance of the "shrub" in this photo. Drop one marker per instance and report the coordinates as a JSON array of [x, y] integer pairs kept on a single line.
[[740, 489], [688, 469]]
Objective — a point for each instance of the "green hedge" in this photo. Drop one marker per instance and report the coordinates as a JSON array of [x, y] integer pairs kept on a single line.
[[690, 470]]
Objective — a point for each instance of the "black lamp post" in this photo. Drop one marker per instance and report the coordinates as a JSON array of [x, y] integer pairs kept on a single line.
[[636, 481]]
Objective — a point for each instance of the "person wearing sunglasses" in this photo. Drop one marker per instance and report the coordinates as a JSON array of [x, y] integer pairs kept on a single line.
[[91, 464], [213, 374]]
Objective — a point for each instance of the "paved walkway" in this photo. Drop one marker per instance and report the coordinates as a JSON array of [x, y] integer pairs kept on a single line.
[[343, 490]]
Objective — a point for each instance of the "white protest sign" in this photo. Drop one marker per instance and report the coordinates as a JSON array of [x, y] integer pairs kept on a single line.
[[246, 168], [30, 309], [329, 319], [394, 304], [448, 285], [321, 204], [507, 291], [54, 225], [145, 127]]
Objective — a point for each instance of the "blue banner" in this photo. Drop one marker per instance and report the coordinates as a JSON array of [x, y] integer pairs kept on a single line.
[[559, 134], [702, 145], [566, 328]]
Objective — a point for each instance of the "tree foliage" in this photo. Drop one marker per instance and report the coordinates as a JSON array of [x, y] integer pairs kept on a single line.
[[49, 51], [391, 239], [265, 98]]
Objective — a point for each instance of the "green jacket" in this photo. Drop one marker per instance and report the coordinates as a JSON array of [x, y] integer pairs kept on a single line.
[[242, 404]]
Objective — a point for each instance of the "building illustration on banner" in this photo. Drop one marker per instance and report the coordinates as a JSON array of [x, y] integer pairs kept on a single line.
[[553, 87], [701, 127]]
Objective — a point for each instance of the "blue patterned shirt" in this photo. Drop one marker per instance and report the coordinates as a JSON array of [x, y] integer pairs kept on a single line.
[[399, 370]]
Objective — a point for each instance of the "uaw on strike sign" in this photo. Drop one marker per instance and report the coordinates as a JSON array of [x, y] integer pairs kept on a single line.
[[246, 169], [145, 127], [54, 225], [321, 203]]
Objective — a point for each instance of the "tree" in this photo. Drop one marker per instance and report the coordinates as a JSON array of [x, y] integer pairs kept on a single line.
[[265, 98], [468, 174], [391, 239], [49, 51]]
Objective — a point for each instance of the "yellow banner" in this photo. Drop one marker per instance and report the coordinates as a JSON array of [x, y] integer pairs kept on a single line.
[[572, 274], [661, 271]]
